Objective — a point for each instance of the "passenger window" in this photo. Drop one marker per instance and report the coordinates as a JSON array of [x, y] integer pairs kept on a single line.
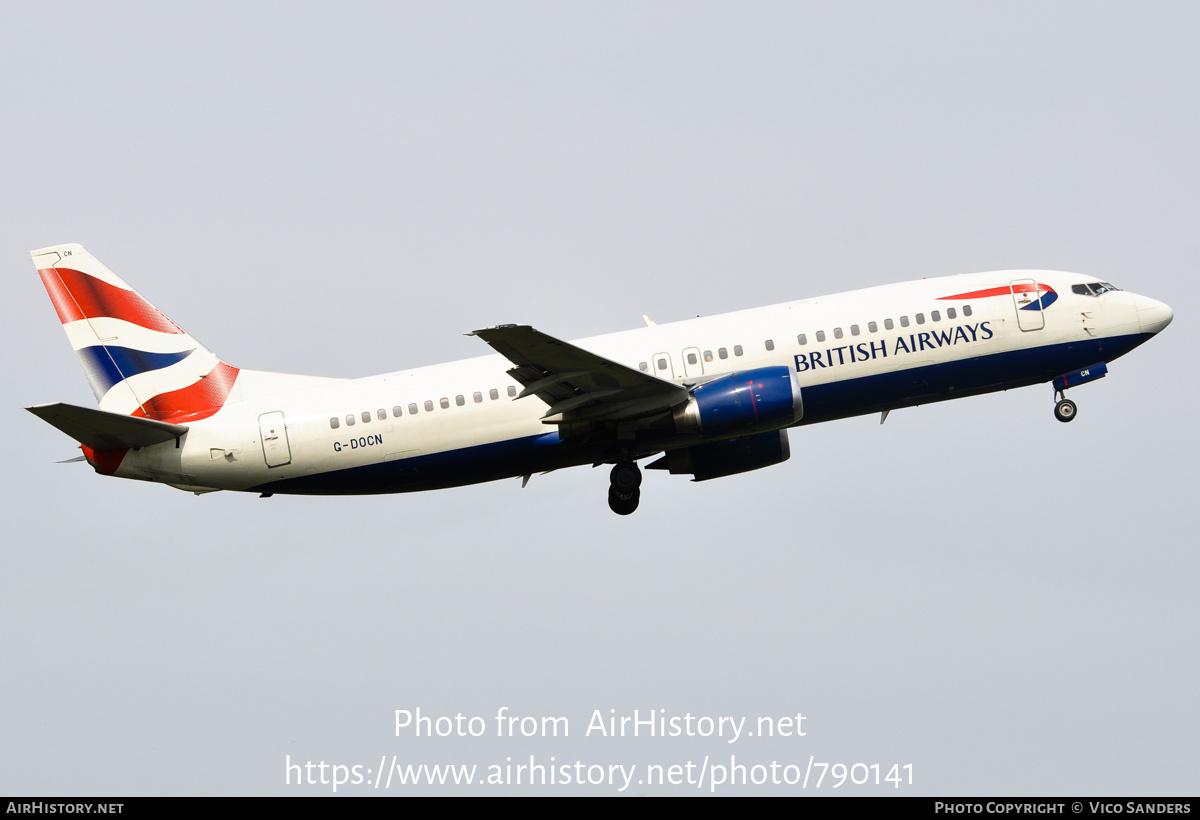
[[333, 422], [853, 330], [350, 420], [887, 323], [692, 358], [737, 350], [662, 364], [366, 416], [966, 310], [723, 353], [381, 414], [493, 394], [460, 400], [428, 406], [708, 355], [397, 412], [820, 335], [412, 409], [644, 366], [770, 344], [937, 317], [802, 339], [444, 402], [477, 396], [920, 318], [871, 326], [903, 321], [512, 391], [950, 314]]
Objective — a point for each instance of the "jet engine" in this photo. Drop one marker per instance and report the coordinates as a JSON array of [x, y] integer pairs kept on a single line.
[[752, 401], [727, 457]]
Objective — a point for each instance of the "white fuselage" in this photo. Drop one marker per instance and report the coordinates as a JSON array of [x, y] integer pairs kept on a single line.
[[851, 353]]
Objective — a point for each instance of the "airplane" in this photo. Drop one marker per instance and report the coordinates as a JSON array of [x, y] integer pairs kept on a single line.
[[710, 397]]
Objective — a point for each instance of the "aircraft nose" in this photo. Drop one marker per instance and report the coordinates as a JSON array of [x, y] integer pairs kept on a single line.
[[1153, 315]]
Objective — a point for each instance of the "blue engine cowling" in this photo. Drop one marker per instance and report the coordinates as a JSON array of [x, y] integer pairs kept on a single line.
[[728, 457], [752, 401]]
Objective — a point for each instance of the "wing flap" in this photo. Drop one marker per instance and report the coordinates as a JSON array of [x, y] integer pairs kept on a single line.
[[101, 430]]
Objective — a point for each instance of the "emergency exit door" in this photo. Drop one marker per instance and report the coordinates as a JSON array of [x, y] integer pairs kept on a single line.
[[274, 439]]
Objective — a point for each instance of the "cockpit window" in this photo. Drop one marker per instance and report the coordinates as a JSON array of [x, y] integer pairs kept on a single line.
[[1093, 288]]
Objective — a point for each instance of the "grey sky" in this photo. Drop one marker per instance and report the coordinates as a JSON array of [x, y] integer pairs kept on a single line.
[[1006, 602]]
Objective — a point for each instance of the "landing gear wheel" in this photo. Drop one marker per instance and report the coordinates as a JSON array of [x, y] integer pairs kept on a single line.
[[623, 502], [623, 492], [1065, 410], [625, 476]]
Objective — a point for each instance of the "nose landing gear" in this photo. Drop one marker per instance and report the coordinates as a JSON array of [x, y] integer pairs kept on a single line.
[[623, 491], [1064, 408]]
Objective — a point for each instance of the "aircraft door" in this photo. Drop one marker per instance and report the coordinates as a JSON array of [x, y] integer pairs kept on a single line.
[[1028, 303], [693, 365], [274, 439]]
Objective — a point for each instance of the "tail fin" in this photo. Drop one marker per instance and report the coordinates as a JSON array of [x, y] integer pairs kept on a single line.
[[137, 361]]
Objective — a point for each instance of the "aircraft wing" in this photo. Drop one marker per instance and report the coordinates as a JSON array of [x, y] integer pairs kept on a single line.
[[578, 384], [101, 430]]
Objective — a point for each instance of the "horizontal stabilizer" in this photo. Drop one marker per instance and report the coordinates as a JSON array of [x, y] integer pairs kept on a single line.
[[101, 430]]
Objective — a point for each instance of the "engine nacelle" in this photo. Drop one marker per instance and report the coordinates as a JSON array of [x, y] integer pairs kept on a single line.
[[728, 457], [752, 401]]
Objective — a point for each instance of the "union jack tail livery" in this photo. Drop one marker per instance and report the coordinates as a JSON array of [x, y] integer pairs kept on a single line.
[[137, 361]]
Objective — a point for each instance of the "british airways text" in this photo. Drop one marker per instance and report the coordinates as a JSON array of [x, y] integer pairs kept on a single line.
[[912, 343]]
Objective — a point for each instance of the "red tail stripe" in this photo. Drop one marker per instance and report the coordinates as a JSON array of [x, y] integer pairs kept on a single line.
[[77, 295], [194, 402]]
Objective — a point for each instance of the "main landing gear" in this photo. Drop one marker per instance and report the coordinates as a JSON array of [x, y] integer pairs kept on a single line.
[[1064, 409], [623, 492]]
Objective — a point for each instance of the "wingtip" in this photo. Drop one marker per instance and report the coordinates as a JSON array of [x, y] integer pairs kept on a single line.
[[483, 330]]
